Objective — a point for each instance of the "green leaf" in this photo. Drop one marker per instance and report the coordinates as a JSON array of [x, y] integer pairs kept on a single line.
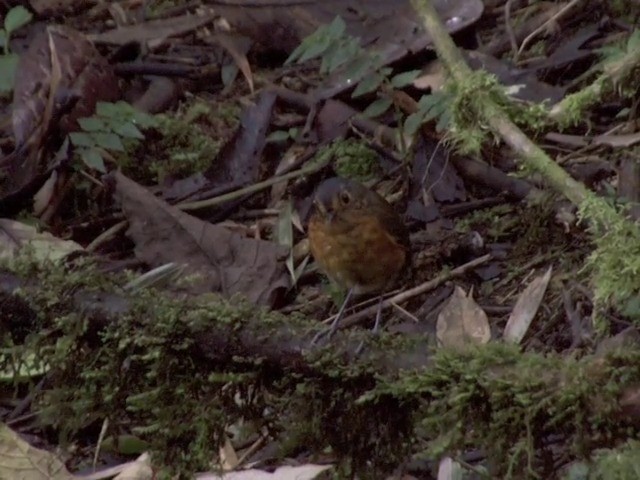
[[128, 130], [144, 119], [378, 107], [444, 121], [285, 226], [3, 38], [92, 124], [107, 109], [359, 67], [334, 49], [368, 85], [315, 49], [439, 107], [298, 51], [8, 68], [405, 78], [228, 74], [110, 141], [92, 159], [633, 44], [80, 139], [293, 132], [336, 28], [278, 136], [16, 18], [413, 123], [347, 52]]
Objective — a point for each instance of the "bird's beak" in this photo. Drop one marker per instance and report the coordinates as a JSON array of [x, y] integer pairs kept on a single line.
[[322, 210]]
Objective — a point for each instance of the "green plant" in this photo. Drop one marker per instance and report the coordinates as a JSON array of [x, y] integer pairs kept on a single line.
[[339, 50], [16, 18], [278, 136], [109, 129]]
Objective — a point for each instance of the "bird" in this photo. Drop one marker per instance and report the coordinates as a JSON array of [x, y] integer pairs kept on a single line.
[[358, 240]]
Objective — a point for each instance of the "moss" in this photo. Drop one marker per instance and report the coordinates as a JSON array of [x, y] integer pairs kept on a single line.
[[146, 375], [508, 402], [353, 159]]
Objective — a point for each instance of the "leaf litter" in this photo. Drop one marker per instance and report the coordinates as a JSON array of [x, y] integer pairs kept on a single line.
[[291, 115]]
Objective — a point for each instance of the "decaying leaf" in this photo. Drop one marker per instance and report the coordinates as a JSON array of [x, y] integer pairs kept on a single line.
[[62, 77], [300, 472], [159, 29], [450, 470], [224, 261], [525, 309], [21, 461], [83, 74], [44, 246], [462, 322], [140, 469]]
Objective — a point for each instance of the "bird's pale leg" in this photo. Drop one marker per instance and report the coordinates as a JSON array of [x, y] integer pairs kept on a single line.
[[334, 325], [376, 326]]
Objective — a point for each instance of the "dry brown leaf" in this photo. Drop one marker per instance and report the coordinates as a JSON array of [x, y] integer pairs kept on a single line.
[[21, 461], [228, 456], [225, 261], [525, 309], [462, 322]]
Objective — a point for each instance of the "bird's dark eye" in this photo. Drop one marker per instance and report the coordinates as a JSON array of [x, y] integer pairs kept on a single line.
[[345, 198]]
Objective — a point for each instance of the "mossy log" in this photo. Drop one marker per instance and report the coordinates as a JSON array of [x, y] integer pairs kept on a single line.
[[172, 369]]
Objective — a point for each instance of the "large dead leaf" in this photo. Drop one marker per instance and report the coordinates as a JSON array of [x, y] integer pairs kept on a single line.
[[225, 261], [525, 309], [61, 78], [462, 322], [83, 73], [389, 26], [21, 461]]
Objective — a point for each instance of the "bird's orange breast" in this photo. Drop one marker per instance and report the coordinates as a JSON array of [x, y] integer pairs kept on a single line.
[[360, 254]]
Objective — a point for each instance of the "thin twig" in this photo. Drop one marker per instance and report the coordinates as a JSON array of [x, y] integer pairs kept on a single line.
[[415, 291], [542, 27], [312, 167], [107, 235], [509, 28]]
